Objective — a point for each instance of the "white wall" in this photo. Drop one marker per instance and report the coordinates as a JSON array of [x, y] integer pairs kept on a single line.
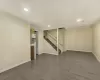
[[14, 41], [52, 36], [96, 40], [78, 39], [43, 46], [48, 48], [61, 35], [40, 42], [53, 33]]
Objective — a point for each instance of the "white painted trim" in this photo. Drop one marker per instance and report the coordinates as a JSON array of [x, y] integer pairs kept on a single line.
[[10, 67], [52, 53], [96, 57], [79, 51]]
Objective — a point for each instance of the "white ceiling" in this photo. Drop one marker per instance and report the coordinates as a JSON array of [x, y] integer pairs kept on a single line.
[[57, 13]]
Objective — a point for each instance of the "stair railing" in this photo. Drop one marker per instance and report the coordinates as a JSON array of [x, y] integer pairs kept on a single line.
[[54, 39]]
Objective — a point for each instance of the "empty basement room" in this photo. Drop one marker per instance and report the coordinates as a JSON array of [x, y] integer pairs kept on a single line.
[[49, 40]]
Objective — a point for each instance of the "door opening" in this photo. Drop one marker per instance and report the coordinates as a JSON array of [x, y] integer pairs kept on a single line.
[[34, 43]]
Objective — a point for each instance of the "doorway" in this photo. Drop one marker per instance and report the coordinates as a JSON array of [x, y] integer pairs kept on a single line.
[[34, 43], [54, 41]]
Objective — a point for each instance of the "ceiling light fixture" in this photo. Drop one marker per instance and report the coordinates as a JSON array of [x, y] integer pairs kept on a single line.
[[49, 25], [80, 20], [25, 9]]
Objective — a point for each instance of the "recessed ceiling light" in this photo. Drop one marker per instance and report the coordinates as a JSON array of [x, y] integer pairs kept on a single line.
[[49, 25], [25, 9], [80, 20]]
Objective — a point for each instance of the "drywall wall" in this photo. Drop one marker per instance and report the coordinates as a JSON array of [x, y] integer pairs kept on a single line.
[[96, 40], [78, 39], [52, 36], [40, 42], [61, 35], [53, 32], [43, 45], [14, 41], [48, 48]]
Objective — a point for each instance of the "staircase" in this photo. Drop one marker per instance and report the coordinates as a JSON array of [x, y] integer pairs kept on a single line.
[[50, 42]]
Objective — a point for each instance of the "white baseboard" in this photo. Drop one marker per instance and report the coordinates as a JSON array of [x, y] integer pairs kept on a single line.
[[52, 53], [10, 67], [96, 57], [79, 51]]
